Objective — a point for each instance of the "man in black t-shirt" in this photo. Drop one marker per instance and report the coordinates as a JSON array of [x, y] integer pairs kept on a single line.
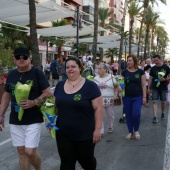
[[158, 84], [25, 133]]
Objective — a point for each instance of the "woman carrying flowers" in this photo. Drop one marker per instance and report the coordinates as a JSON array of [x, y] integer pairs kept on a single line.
[[135, 94]]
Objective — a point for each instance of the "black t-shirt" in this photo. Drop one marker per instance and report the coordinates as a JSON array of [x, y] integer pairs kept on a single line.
[[32, 115], [154, 73], [133, 86], [76, 118]]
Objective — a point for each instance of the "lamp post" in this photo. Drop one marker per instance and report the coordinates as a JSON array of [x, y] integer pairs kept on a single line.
[[78, 24], [125, 44]]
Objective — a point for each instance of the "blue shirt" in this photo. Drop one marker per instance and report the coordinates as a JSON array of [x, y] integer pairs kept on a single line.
[[133, 85], [55, 67], [76, 118]]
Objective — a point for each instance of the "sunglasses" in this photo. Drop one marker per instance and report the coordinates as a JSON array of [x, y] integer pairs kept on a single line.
[[21, 56]]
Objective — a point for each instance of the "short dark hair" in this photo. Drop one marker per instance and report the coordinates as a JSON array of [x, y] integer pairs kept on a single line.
[[157, 56], [78, 62], [147, 67]]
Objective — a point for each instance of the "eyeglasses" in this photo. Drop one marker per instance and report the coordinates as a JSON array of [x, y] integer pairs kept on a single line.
[[21, 56]]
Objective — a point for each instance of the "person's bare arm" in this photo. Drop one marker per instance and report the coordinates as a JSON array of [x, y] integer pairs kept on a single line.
[[143, 84], [25, 104], [4, 105], [98, 108]]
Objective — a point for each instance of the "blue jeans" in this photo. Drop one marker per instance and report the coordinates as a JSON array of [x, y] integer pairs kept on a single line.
[[132, 108]]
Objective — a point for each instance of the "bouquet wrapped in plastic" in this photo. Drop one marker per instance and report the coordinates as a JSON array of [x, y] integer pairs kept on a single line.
[[89, 77], [121, 83], [160, 75], [22, 92], [48, 109]]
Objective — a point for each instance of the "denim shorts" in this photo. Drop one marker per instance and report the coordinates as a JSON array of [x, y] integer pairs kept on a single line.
[[158, 94]]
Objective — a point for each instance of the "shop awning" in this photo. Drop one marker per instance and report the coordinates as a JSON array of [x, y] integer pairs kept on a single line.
[[17, 11], [67, 31]]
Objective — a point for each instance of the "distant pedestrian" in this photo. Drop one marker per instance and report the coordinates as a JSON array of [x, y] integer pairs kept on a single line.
[[158, 81], [64, 75], [109, 89], [47, 69], [55, 69], [135, 94]]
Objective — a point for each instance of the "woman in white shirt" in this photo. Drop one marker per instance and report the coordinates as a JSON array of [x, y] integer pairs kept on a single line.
[[147, 71], [109, 90]]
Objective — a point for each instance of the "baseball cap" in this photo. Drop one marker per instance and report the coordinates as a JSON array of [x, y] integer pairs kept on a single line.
[[21, 51]]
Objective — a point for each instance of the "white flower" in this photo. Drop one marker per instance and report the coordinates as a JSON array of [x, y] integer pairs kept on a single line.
[[161, 74], [49, 104]]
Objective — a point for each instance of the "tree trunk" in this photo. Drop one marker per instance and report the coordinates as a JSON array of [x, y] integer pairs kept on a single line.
[[145, 4], [33, 35], [146, 42], [122, 31], [130, 35], [96, 9]]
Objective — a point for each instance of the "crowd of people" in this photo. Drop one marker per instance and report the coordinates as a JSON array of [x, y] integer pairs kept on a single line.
[[80, 103]]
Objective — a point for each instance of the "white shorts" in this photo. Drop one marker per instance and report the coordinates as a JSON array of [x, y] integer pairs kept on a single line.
[[26, 135]]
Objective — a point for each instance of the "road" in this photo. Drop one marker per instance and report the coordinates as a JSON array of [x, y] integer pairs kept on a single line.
[[114, 152]]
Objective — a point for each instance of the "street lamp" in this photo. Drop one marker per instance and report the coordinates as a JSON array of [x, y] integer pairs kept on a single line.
[[125, 44], [78, 24]]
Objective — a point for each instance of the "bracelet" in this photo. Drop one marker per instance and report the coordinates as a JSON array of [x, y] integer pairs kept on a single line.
[[144, 97]]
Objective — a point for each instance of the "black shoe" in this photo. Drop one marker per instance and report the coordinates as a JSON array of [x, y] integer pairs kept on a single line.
[[162, 116], [155, 120]]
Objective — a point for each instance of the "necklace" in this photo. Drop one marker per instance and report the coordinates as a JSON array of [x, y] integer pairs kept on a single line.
[[21, 74], [75, 84]]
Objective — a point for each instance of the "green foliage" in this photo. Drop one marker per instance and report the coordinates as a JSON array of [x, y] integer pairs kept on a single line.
[[13, 36], [111, 52], [6, 58], [82, 48]]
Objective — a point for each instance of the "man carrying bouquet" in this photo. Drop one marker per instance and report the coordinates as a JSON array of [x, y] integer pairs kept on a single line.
[[25, 87], [158, 80]]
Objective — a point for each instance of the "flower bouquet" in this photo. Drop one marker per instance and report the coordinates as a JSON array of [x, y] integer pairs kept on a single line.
[[121, 83], [89, 77], [160, 75], [21, 92], [48, 109]]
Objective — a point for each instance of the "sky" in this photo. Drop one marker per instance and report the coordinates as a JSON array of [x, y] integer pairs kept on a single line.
[[165, 16]]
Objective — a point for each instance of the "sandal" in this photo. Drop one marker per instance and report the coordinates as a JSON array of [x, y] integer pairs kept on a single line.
[[110, 130], [137, 135], [129, 136]]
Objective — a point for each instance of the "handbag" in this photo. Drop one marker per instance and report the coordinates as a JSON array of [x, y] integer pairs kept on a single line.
[[118, 101]]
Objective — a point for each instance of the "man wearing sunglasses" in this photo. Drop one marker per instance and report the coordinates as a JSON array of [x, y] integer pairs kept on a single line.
[[25, 133]]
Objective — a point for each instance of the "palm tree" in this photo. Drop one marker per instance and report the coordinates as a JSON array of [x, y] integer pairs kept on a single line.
[[111, 52], [122, 30], [59, 41], [96, 9], [145, 6], [33, 34], [151, 19], [134, 10], [104, 15]]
